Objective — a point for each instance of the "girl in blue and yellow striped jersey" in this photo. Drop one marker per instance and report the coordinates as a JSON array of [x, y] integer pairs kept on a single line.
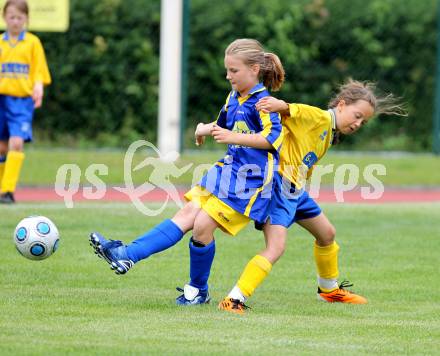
[[308, 134], [233, 191], [23, 74]]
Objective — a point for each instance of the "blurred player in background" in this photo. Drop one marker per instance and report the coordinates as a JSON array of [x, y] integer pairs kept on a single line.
[[23, 74]]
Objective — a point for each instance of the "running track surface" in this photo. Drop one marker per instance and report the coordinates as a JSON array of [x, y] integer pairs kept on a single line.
[[390, 195]]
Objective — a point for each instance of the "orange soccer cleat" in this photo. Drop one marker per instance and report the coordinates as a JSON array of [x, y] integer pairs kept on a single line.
[[341, 295], [233, 305]]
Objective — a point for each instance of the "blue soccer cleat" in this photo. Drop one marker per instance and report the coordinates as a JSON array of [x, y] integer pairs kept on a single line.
[[112, 251], [192, 296]]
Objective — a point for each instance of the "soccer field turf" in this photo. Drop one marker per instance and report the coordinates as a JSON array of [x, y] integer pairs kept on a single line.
[[72, 303]]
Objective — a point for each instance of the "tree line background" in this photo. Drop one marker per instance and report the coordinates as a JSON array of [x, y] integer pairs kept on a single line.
[[105, 69]]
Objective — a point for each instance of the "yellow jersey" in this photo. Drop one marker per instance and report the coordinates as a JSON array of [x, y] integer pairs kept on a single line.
[[23, 63], [308, 134]]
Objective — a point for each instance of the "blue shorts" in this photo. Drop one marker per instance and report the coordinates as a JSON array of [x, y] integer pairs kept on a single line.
[[16, 117], [286, 208]]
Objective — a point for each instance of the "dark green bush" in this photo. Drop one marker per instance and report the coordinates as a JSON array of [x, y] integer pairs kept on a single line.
[[105, 68]]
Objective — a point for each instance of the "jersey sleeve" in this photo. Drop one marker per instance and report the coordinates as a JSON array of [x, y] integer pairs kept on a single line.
[[305, 115], [272, 129], [40, 71], [221, 118]]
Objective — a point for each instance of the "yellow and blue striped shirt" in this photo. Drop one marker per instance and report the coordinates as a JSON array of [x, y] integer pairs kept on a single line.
[[22, 64], [243, 176]]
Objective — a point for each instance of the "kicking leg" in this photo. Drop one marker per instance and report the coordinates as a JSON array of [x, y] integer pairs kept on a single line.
[[163, 236]]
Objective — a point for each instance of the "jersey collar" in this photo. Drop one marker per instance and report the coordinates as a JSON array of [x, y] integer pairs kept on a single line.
[[333, 118], [257, 88], [20, 36]]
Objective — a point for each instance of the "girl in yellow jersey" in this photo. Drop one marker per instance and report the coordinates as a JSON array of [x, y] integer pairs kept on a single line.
[[23, 73], [308, 133]]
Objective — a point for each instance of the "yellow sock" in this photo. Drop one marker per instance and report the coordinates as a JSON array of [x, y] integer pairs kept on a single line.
[[2, 167], [326, 259], [12, 168], [254, 274]]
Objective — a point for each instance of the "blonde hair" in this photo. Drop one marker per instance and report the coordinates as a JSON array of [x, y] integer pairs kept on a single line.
[[353, 90], [252, 52], [21, 5]]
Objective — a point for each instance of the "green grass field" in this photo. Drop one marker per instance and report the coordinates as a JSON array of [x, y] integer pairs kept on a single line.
[[41, 166], [72, 303]]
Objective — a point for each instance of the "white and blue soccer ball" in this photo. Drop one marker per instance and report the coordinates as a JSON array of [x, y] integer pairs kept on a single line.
[[36, 237]]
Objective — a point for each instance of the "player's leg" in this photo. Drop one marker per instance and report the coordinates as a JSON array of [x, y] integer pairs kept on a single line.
[[257, 269], [214, 213], [12, 168], [326, 258], [18, 113], [4, 136], [202, 252], [325, 250], [282, 208], [3, 153], [163, 236]]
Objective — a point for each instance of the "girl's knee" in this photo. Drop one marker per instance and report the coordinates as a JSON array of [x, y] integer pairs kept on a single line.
[[274, 251], [198, 229], [331, 234], [16, 145], [327, 237], [203, 232], [279, 250], [3, 148], [185, 217]]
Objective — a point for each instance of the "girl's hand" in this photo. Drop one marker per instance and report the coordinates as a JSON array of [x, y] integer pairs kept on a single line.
[[37, 95], [222, 135], [200, 137], [271, 104]]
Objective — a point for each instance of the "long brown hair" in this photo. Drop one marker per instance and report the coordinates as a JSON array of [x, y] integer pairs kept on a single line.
[[353, 90], [252, 52]]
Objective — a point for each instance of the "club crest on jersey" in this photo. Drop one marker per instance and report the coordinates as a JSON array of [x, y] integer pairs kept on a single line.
[[323, 135], [242, 127], [310, 159]]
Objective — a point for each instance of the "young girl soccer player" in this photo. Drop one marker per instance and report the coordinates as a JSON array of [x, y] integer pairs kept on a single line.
[[227, 195], [308, 134], [23, 74]]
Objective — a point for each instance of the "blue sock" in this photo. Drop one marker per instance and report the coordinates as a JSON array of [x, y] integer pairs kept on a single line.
[[159, 238], [200, 264]]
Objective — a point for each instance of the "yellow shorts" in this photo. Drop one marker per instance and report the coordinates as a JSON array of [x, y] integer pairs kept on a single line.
[[230, 221]]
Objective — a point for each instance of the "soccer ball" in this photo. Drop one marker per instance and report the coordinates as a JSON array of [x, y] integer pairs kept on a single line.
[[36, 237]]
